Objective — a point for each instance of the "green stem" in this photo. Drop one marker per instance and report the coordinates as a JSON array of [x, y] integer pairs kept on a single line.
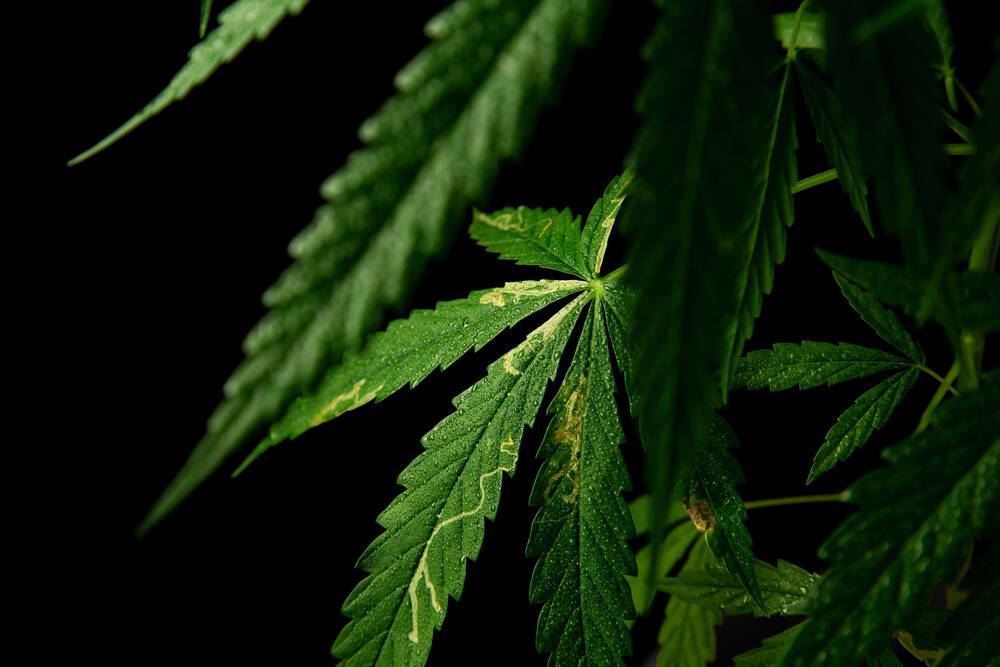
[[968, 97], [797, 500], [938, 396], [814, 180], [972, 341], [795, 33], [959, 149], [944, 383], [616, 274], [957, 127]]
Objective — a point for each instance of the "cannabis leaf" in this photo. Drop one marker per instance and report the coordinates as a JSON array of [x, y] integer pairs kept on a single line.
[[785, 589], [885, 562], [239, 24], [812, 364], [673, 548], [882, 320], [886, 86], [206, 13], [410, 349], [772, 650], [579, 533], [973, 627], [432, 150], [690, 227], [434, 526], [687, 635], [837, 132], [717, 508]]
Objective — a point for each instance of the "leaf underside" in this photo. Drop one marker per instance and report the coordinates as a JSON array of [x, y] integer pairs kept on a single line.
[[886, 561], [437, 523], [579, 534], [432, 150]]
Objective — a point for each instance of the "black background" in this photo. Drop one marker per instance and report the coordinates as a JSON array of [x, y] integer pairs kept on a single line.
[[165, 243]]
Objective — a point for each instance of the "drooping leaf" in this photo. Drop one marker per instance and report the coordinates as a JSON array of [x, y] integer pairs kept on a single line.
[[812, 364], [239, 24], [973, 628], [772, 650], [206, 13], [716, 504], [974, 296], [433, 149], [836, 130], [437, 523], [707, 71], [550, 239], [855, 426], [882, 320], [785, 589], [687, 635], [772, 213], [886, 561], [601, 220], [579, 533], [885, 83], [408, 350], [672, 550]]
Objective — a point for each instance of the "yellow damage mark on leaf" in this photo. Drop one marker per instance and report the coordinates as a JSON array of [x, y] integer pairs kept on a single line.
[[506, 447], [608, 223], [512, 221], [570, 431], [528, 288], [701, 516], [539, 336], [354, 396]]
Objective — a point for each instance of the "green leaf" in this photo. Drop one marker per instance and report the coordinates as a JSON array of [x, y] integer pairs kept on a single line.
[[773, 212], [701, 109], [882, 320], [974, 296], [883, 658], [641, 508], [785, 589], [886, 85], [973, 628], [239, 24], [687, 635], [671, 551], [601, 220], [550, 239], [936, 20], [206, 13], [857, 424], [579, 534], [885, 560], [437, 523], [836, 130], [433, 149], [408, 350], [812, 27], [714, 501], [771, 652], [812, 364], [619, 305]]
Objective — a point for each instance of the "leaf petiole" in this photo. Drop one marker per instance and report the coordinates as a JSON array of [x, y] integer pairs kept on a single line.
[[814, 180], [616, 274], [946, 383], [797, 500]]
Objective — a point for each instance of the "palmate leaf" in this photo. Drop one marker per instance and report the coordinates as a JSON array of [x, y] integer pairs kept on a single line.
[[433, 149], [717, 509], [836, 130], [772, 650], [550, 239], [579, 534], [434, 526], [885, 561], [239, 24], [773, 212], [687, 635], [408, 350], [855, 426], [707, 71], [885, 84], [973, 628], [785, 589], [812, 364]]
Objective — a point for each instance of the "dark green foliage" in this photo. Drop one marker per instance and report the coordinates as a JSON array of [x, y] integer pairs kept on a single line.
[[687, 635], [772, 650], [692, 229], [885, 561], [432, 149], [812, 364], [579, 533], [882, 320], [973, 628], [206, 13]]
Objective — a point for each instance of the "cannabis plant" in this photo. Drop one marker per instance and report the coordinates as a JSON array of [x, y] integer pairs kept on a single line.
[[651, 352]]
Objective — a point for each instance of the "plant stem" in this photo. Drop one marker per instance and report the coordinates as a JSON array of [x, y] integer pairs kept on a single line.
[[814, 180], [946, 383], [971, 341], [617, 273], [797, 500], [959, 149], [957, 127]]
